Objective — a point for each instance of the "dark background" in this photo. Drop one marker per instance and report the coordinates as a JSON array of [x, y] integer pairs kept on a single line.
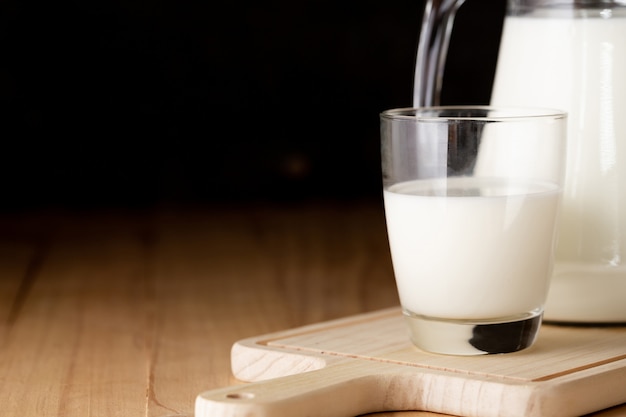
[[136, 103]]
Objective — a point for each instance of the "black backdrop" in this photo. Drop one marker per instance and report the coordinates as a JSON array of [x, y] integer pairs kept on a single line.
[[135, 103]]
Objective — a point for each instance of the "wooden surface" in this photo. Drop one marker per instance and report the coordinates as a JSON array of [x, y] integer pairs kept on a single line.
[[569, 371], [133, 313]]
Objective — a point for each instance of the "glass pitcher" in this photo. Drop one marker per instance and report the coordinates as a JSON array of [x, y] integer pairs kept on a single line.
[[569, 55]]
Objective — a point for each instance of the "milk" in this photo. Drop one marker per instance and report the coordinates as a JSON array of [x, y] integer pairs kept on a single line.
[[578, 65], [482, 251]]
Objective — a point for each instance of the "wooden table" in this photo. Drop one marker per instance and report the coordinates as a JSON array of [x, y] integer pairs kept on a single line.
[[133, 313]]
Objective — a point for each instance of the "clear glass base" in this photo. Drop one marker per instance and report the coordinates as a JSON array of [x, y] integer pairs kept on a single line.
[[474, 337]]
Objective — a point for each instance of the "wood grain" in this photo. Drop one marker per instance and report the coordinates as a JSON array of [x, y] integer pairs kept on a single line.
[[568, 372], [133, 313]]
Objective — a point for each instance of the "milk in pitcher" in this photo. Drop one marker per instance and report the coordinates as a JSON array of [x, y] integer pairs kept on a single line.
[[579, 65]]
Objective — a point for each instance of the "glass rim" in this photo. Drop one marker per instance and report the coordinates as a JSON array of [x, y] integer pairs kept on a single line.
[[444, 114]]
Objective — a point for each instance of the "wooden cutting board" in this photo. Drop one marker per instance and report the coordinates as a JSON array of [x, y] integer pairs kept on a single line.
[[366, 363]]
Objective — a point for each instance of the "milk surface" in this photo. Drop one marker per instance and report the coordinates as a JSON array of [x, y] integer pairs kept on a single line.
[[577, 65], [482, 251]]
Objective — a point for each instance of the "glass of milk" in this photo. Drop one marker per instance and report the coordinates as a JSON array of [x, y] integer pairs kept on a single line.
[[471, 199]]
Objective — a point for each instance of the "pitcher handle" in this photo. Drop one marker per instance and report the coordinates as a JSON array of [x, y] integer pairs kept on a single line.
[[432, 50]]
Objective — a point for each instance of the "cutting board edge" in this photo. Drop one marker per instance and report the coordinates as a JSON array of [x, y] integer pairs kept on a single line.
[[261, 358], [251, 362], [607, 380], [253, 359]]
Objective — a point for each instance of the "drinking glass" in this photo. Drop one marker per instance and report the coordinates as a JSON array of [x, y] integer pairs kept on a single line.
[[471, 197]]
